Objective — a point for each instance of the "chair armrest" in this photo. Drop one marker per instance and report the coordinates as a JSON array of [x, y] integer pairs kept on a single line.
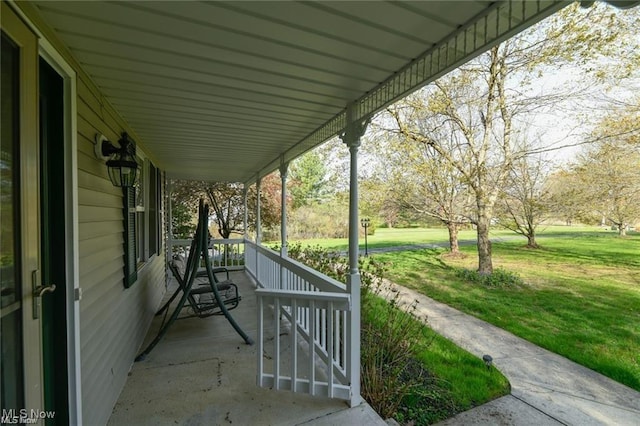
[[203, 272], [221, 269]]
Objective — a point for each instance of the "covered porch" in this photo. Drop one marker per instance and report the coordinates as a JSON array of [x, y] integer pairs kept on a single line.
[[225, 92], [203, 373]]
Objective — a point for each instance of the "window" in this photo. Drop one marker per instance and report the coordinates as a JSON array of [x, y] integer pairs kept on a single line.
[[140, 211], [142, 223]]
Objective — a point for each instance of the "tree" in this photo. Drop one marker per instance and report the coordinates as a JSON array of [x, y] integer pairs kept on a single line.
[[227, 206], [227, 202], [472, 116], [466, 120], [324, 220], [418, 179], [566, 198], [526, 199], [378, 177], [378, 199], [270, 202], [307, 179], [609, 172], [182, 221]]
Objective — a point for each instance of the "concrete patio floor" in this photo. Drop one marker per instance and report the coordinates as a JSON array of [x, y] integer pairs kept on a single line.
[[202, 373]]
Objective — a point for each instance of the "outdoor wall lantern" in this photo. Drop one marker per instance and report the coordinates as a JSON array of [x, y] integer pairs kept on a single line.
[[121, 161]]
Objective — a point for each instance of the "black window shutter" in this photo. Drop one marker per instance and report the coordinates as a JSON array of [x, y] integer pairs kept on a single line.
[[154, 237], [158, 212], [130, 255]]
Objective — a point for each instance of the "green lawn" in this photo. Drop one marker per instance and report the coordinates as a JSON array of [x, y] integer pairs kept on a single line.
[[581, 296], [392, 237], [456, 380]]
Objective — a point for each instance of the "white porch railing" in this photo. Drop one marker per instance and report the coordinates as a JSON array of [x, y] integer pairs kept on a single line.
[[314, 310], [228, 253]]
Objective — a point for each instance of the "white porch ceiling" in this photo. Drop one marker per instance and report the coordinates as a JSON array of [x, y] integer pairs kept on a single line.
[[225, 90]]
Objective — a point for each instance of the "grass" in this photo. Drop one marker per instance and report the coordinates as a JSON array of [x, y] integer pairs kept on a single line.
[[580, 297], [453, 380], [393, 237]]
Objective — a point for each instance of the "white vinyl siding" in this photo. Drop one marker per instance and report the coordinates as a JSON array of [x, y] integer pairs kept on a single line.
[[113, 320]]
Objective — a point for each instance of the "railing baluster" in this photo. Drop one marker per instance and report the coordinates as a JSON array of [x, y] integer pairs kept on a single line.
[[321, 329], [345, 351], [294, 344], [330, 350], [312, 352], [260, 338], [276, 343], [337, 330]]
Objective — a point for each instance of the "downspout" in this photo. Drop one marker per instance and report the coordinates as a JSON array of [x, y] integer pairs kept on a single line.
[[351, 137]]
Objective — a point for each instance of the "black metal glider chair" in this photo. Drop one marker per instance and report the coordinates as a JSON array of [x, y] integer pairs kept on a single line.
[[201, 299], [212, 287]]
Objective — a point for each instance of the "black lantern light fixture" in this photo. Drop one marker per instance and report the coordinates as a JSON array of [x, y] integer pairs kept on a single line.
[[121, 161]]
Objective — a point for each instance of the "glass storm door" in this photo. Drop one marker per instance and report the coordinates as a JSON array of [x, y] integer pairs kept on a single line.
[[20, 270]]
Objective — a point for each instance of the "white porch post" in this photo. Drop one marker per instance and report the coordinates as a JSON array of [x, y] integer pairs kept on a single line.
[[245, 220], [258, 231], [284, 169], [169, 239], [351, 137], [258, 225]]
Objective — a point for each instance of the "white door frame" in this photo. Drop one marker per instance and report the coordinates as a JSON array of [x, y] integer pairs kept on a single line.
[[57, 62]]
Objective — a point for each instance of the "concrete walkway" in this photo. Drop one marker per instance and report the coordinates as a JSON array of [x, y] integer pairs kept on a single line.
[[546, 388]]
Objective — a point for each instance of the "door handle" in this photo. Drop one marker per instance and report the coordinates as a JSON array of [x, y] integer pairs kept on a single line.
[[40, 290], [37, 298]]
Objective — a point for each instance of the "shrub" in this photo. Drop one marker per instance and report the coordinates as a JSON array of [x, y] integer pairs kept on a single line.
[[389, 335], [319, 221], [499, 278], [428, 403]]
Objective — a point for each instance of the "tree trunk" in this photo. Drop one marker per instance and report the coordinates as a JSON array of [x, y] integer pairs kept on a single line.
[[622, 231], [531, 241], [224, 233], [485, 264], [453, 237]]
